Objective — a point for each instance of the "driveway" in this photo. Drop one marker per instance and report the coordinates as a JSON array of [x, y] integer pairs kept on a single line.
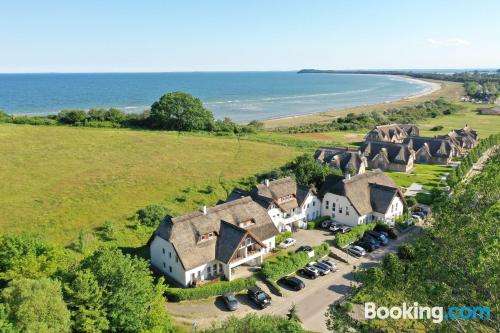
[[312, 302]]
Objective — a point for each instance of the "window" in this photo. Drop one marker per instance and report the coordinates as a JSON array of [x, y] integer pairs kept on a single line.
[[164, 265], [215, 269], [209, 270], [170, 269], [327, 204], [176, 259], [333, 207], [308, 205], [220, 268], [163, 250], [314, 203], [333, 215], [170, 254], [347, 211], [340, 210]]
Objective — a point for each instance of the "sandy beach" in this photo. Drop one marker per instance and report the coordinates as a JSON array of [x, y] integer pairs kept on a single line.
[[436, 89]]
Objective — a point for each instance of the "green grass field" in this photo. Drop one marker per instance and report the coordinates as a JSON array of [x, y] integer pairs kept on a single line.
[[426, 174], [56, 181]]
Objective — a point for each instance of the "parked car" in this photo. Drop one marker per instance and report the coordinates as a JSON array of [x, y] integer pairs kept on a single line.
[[378, 236], [389, 232], [356, 250], [421, 214], [418, 218], [293, 282], [326, 224], [321, 270], [369, 239], [344, 229], [425, 211], [334, 227], [369, 247], [331, 264], [232, 303], [321, 265], [306, 248], [288, 242], [259, 297], [310, 272]]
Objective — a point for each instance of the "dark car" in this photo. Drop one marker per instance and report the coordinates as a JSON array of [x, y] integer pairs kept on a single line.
[[326, 224], [304, 248], [344, 229], [369, 239], [369, 247], [231, 301], [319, 264], [425, 211], [378, 236], [259, 297], [309, 272], [388, 231], [331, 264], [293, 282]]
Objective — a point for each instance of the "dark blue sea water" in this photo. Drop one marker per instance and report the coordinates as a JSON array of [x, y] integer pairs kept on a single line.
[[242, 96]]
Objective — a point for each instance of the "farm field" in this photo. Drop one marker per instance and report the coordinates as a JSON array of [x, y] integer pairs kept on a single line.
[[56, 181]]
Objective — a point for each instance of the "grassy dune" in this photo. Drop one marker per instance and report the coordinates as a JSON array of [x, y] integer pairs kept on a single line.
[[56, 181]]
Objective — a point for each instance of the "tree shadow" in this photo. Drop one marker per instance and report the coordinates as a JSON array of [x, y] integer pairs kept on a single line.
[[141, 251]]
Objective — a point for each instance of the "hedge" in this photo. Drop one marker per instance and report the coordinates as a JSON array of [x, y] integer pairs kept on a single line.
[[291, 262], [282, 236], [316, 224], [356, 233], [210, 290]]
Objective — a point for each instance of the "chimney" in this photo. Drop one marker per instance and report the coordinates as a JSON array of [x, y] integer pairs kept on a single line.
[[266, 182], [204, 209]]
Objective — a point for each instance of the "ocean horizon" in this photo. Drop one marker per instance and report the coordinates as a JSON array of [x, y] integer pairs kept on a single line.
[[241, 96]]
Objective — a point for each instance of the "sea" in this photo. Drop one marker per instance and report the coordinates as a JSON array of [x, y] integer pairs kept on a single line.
[[241, 96]]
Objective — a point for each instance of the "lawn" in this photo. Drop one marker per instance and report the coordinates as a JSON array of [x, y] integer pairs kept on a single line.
[[426, 174], [56, 181]]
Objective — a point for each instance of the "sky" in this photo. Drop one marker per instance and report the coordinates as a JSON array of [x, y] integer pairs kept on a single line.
[[217, 35]]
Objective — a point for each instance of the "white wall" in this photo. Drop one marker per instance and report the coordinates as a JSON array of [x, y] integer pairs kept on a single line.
[[395, 209], [276, 215], [270, 244], [163, 261], [340, 202], [311, 207]]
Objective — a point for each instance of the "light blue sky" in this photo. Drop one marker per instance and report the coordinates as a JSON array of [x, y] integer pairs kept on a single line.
[[211, 35]]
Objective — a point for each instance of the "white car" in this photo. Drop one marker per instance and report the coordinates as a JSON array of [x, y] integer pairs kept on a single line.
[[356, 250], [416, 217], [288, 242]]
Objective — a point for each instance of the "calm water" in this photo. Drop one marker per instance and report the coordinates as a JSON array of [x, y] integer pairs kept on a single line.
[[242, 96]]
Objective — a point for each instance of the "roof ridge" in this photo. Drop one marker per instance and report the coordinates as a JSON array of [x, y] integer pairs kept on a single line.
[[216, 208]]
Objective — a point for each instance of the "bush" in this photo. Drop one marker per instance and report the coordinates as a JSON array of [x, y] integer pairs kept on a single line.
[[291, 262], [210, 290], [282, 236], [33, 120], [342, 240], [439, 127], [151, 215], [406, 252], [71, 116], [411, 202], [316, 224]]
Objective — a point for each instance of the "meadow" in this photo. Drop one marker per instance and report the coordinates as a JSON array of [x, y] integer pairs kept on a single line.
[[58, 180]]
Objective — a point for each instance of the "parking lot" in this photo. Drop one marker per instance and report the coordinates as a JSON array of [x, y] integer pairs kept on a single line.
[[312, 301]]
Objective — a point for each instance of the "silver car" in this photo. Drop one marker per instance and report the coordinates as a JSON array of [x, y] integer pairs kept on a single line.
[[356, 250]]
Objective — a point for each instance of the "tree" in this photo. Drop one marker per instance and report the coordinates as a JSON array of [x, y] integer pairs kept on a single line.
[[181, 112], [293, 313], [310, 172], [151, 215], [132, 301], [71, 116], [28, 257], [86, 302], [36, 306], [338, 321]]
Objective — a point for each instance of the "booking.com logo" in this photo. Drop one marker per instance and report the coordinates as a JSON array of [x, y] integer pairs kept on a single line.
[[436, 313]]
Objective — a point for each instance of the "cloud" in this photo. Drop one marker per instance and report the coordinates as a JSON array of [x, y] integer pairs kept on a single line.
[[455, 41]]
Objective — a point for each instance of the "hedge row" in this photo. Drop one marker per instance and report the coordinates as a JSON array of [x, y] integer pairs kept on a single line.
[[287, 264], [316, 224], [356, 233], [210, 290], [282, 236]]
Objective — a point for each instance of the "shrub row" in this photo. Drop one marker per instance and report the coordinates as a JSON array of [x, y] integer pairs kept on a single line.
[[316, 224], [356, 233], [287, 264], [210, 290], [468, 161]]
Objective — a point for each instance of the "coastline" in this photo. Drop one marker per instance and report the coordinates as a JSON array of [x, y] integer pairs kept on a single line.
[[436, 89]]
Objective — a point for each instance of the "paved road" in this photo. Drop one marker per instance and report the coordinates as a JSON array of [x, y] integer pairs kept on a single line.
[[312, 302]]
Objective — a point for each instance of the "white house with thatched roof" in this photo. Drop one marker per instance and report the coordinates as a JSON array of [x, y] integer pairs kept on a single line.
[[289, 204], [363, 198], [212, 243]]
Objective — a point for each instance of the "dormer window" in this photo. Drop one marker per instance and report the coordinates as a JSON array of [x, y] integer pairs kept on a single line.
[[246, 224], [207, 236]]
